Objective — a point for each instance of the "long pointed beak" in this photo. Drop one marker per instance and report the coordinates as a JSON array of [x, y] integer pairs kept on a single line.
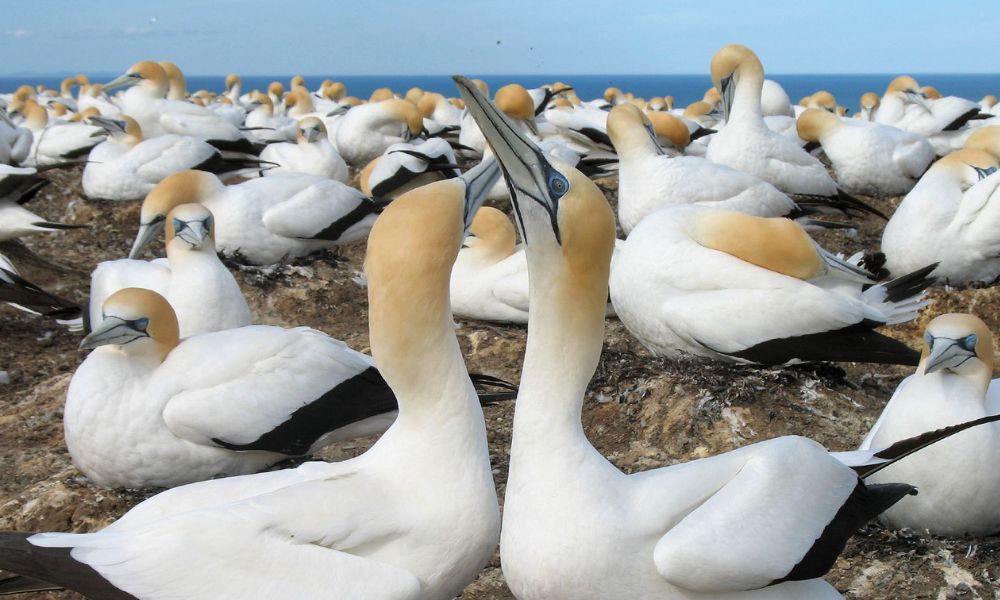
[[479, 181], [946, 354], [524, 165], [728, 91], [194, 233], [147, 231], [122, 81], [109, 125], [112, 330]]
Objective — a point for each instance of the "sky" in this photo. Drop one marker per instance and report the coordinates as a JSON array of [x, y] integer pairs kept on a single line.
[[357, 37]]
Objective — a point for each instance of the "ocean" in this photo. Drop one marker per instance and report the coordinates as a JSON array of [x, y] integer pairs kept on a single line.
[[685, 89]]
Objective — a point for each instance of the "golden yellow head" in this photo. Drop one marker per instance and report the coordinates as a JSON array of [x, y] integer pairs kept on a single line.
[[310, 129], [669, 127], [814, 123], [903, 83], [298, 81], [775, 244], [989, 100], [931, 92], [515, 102], [734, 59], [406, 112], [382, 93], [494, 233], [968, 337], [870, 100], [232, 80], [180, 188], [428, 102], [133, 305], [697, 109], [414, 94], [276, 89]]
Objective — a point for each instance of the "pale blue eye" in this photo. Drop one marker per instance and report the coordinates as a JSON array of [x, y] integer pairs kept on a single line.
[[558, 185], [140, 324], [969, 342], [179, 226]]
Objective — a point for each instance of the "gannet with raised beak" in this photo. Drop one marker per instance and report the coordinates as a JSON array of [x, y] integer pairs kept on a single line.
[[413, 518]]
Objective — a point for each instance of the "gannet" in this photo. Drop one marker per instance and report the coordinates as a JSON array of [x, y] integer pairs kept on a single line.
[[56, 143], [176, 83], [366, 131], [950, 217], [905, 106], [869, 103], [15, 141], [24, 295], [263, 125], [745, 143], [649, 179], [234, 88], [870, 159], [413, 518], [774, 100], [18, 186], [264, 221], [145, 101], [126, 166], [312, 153], [199, 288], [405, 166], [762, 522], [957, 480], [730, 286]]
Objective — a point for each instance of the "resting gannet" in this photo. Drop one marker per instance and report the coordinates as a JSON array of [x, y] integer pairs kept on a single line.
[[263, 125], [145, 101], [15, 142], [904, 105], [730, 286], [870, 159], [774, 100], [199, 288], [413, 518], [126, 166], [957, 478], [366, 131], [951, 217], [762, 522], [56, 143], [264, 221], [746, 143], [650, 180], [405, 166], [312, 153]]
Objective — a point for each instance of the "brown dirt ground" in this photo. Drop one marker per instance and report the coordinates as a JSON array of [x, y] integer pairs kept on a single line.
[[642, 412]]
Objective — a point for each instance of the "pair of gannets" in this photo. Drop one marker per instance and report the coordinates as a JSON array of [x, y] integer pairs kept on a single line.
[[267, 220], [145, 101], [871, 159], [762, 522], [415, 517], [906, 106], [57, 142], [650, 180], [952, 217], [957, 478], [731, 286], [201, 291], [747, 144], [126, 166], [311, 153]]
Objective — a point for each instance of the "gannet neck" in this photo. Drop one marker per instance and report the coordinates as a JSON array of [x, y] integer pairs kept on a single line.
[[494, 234], [750, 82], [631, 133], [411, 250]]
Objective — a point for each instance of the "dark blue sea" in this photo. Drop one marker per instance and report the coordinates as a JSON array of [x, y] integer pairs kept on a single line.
[[684, 88]]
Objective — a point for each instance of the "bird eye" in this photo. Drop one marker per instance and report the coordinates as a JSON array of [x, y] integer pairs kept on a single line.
[[558, 185], [209, 221], [179, 226], [140, 324], [969, 342], [929, 338]]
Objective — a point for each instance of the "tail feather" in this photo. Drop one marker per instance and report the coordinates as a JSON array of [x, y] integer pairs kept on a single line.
[[900, 299], [487, 397], [52, 566]]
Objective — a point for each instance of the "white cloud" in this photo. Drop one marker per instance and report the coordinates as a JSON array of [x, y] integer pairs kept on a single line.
[[19, 33]]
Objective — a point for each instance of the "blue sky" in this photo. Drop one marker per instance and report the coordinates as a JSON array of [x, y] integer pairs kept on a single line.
[[355, 37]]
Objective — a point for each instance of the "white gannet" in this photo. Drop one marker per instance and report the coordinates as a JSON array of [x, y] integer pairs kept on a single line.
[[413, 518], [746, 143], [870, 159], [762, 522], [957, 478], [267, 220], [650, 180], [145, 101], [904, 105], [405, 166], [55, 143], [199, 288], [731, 286], [366, 131], [24, 295], [126, 166], [19, 185], [312, 153], [949, 218], [15, 142], [234, 87], [869, 104], [774, 100], [262, 125]]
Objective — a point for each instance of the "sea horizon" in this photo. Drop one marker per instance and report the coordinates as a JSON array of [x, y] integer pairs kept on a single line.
[[686, 88]]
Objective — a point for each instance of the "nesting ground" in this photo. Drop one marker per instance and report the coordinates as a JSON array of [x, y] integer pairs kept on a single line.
[[641, 412]]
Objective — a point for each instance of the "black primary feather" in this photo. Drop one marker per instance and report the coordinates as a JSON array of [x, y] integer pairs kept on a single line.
[[52, 566]]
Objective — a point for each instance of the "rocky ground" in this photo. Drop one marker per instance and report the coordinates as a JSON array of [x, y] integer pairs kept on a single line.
[[641, 412]]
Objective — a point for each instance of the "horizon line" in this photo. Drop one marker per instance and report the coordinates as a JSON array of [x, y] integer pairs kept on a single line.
[[560, 74]]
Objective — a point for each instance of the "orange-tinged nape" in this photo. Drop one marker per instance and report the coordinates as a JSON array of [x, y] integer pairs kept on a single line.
[[985, 139], [814, 123], [276, 88], [137, 303], [406, 112], [411, 250], [775, 244], [697, 109], [515, 102], [670, 127], [903, 83], [732, 58], [966, 157], [297, 81], [427, 103], [958, 326], [180, 188], [494, 233], [587, 232], [870, 100], [931, 92], [381, 94]]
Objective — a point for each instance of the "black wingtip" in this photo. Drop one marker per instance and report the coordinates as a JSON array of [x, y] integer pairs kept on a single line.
[[487, 397], [911, 284], [22, 585], [59, 226]]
